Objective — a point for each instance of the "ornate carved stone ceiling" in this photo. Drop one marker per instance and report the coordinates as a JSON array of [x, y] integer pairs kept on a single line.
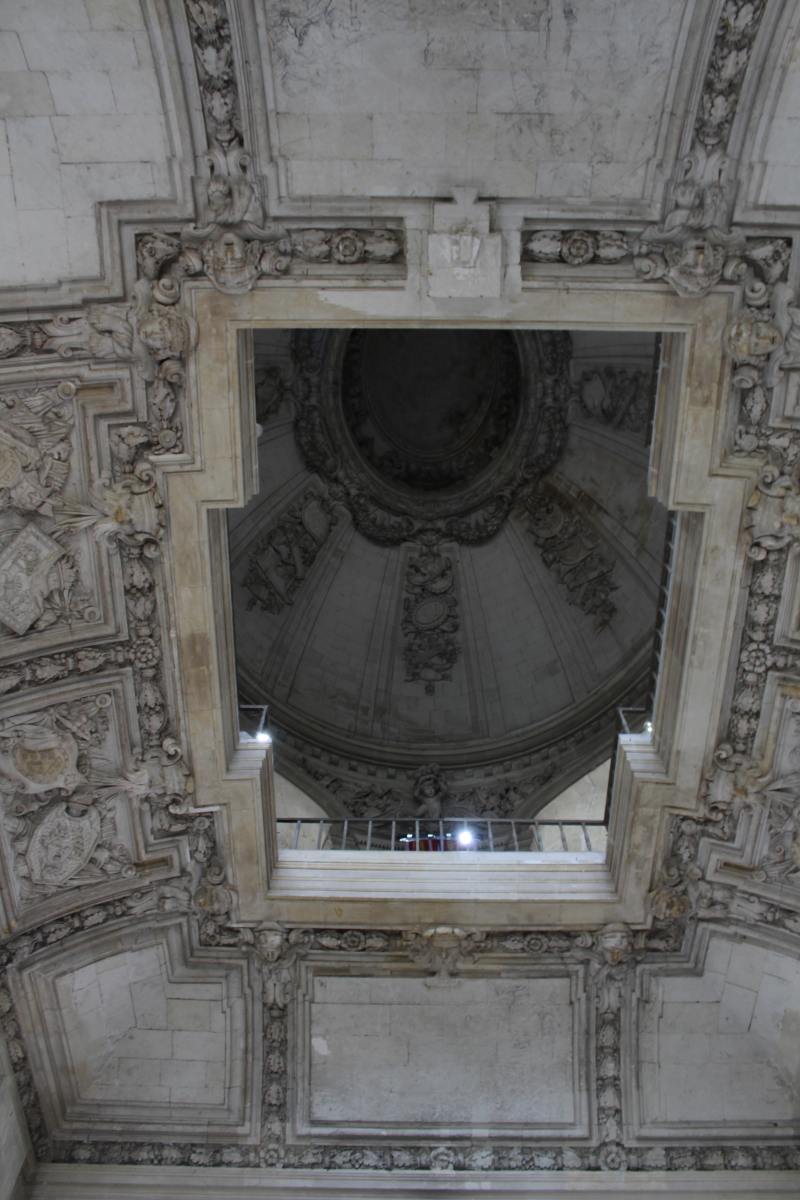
[[403, 603], [613, 163]]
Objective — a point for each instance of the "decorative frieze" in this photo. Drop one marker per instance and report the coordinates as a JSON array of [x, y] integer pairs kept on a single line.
[[577, 247], [740, 21]]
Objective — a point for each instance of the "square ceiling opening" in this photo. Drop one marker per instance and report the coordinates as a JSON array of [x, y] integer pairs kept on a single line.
[[448, 584]]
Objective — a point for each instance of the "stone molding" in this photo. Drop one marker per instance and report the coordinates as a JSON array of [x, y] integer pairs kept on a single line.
[[73, 1182], [73, 1106]]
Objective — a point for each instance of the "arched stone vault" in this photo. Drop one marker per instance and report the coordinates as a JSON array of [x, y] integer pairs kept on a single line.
[[140, 872]]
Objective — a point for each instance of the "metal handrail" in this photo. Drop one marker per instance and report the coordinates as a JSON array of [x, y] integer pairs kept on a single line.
[[255, 728], [403, 834]]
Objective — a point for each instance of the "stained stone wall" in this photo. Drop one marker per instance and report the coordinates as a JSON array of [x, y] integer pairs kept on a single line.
[[773, 178], [448, 1055], [472, 91], [130, 1031], [721, 1048], [82, 122]]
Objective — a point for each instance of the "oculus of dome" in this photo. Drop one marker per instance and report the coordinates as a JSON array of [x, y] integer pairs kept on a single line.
[[430, 409], [481, 434]]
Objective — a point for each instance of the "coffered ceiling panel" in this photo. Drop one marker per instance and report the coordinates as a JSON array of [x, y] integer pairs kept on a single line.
[[567, 102]]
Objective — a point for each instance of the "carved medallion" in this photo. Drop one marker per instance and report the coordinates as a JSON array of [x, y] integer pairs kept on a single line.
[[62, 845], [44, 760], [39, 759]]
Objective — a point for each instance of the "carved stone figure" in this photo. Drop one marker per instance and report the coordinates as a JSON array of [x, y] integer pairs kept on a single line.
[[786, 350], [618, 397], [282, 557], [693, 249], [444, 949], [774, 509], [751, 336], [431, 793]]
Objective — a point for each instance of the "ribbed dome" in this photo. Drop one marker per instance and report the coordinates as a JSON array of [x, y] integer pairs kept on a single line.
[[398, 607]]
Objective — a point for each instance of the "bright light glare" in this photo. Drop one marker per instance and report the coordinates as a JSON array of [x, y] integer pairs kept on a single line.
[[648, 726], [465, 837], [261, 736]]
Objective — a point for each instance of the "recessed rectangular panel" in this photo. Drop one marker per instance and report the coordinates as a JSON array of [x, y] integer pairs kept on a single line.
[[427, 1056], [523, 98]]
